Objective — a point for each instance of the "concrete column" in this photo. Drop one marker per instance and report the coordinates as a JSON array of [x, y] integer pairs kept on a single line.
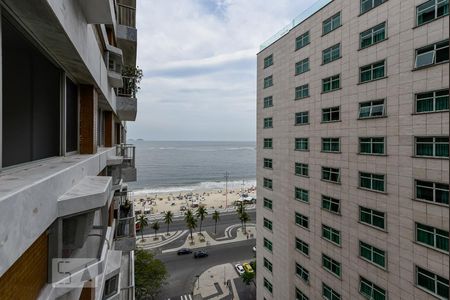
[[109, 129], [88, 119]]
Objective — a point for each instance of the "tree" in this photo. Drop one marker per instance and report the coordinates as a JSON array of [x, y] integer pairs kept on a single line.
[[201, 214], [155, 227], [191, 221], [150, 275], [142, 222], [240, 210], [168, 219], [216, 217], [245, 217], [248, 277]]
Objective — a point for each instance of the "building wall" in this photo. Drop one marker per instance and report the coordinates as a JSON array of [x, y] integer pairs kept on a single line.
[[401, 168]]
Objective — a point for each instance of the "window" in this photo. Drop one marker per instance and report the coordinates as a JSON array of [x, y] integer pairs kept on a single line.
[[432, 191], [372, 36], [432, 146], [432, 54], [331, 265], [331, 174], [268, 122], [372, 254], [332, 83], [268, 203], [330, 204], [331, 234], [432, 237], [268, 101], [331, 114], [268, 143], [267, 264], [301, 169], [302, 246], [302, 66], [302, 272], [371, 181], [268, 285], [372, 72], [329, 294], [268, 81], [331, 24], [301, 220], [301, 144], [302, 91], [268, 163], [268, 244], [371, 291], [432, 283], [299, 295], [302, 40], [111, 286], [268, 61], [431, 10], [371, 109], [268, 224], [331, 144], [301, 118], [367, 5], [372, 217], [301, 195], [268, 183], [432, 101], [331, 54], [371, 145]]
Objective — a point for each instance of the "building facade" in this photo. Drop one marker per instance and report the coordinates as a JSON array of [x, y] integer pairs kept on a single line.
[[68, 78], [353, 153]]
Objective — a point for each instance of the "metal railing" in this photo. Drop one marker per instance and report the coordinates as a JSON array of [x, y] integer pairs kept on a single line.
[[129, 87], [128, 152], [127, 15], [125, 224]]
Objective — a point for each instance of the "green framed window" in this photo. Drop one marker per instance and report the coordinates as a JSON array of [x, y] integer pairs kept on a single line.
[[301, 195], [268, 244], [371, 109], [331, 144], [372, 145], [372, 72], [331, 23], [432, 237], [374, 182], [331, 265], [267, 183], [329, 294], [268, 101], [372, 254], [432, 191], [371, 291], [331, 204], [302, 40], [432, 283], [432, 54], [331, 83], [302, 246], [372, 36], [367, 5], [268, 285], [302, 272], [432, 101], [431, 10], [302, 144], [331, 234], [268, 81], [301, 169], [268, 163], [372, 217], [268, 61], [268, 123], [432, 146], [267, 264], [331, 114], [301, 220], [302, 66], [299, 295], [268, 224], [268, 203], [331, 54], [302, 118], [331, 174], [302, 91], [268, 143]]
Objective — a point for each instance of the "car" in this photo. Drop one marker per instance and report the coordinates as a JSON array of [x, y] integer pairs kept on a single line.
[[247, 268], [254, 249], [184, 251], [200, 254], [239, 269]]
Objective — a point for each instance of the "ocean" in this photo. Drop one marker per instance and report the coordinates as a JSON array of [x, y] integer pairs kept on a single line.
[[175, 166]]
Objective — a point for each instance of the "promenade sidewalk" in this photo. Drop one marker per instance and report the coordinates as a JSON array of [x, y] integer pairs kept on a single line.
[[212, 284]]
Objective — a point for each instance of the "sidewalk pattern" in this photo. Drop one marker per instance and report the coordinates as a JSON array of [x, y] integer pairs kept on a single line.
[[163, 239]]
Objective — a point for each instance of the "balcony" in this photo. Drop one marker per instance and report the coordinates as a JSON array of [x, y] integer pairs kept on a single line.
[[127, 151], [125, 234], [114, 61], [126, 32], [98, 11], [114, 170], [126, 102], [127, 276]]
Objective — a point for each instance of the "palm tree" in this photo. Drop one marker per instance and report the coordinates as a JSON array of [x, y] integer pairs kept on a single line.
[[240, 209], [201, 214], [245, 217], [191, 221], [247, 277], [216, 218], [168, 219], [155, 227], [142, 222]]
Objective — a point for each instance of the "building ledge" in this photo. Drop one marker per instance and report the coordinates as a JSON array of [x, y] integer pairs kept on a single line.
[[114, 160]]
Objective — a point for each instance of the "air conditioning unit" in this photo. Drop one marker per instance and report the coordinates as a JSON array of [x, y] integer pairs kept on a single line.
[[76, 229]]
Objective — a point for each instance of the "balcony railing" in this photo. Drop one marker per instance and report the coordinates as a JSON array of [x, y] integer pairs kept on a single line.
[[127, 15], [128, 152], [126, 219], [129, 87]]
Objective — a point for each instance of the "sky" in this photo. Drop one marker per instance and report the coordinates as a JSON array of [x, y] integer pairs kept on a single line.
[[199, 63]]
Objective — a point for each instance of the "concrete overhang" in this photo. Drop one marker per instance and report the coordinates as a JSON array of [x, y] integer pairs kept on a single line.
[[114, 160], [98, 11], [126, 108]]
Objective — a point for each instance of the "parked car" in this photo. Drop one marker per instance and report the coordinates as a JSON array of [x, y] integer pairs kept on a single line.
[[254, 249], [200, 254], [184, 251], [239, 269], [247, 268]]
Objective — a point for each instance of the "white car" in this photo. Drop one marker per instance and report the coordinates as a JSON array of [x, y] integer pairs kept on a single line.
[[239, 269], [254, 249]]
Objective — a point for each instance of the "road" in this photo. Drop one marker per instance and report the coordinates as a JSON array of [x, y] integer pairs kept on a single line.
[[184, 268]]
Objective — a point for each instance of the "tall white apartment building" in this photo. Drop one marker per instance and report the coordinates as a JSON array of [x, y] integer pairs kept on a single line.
[[353, 153]]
